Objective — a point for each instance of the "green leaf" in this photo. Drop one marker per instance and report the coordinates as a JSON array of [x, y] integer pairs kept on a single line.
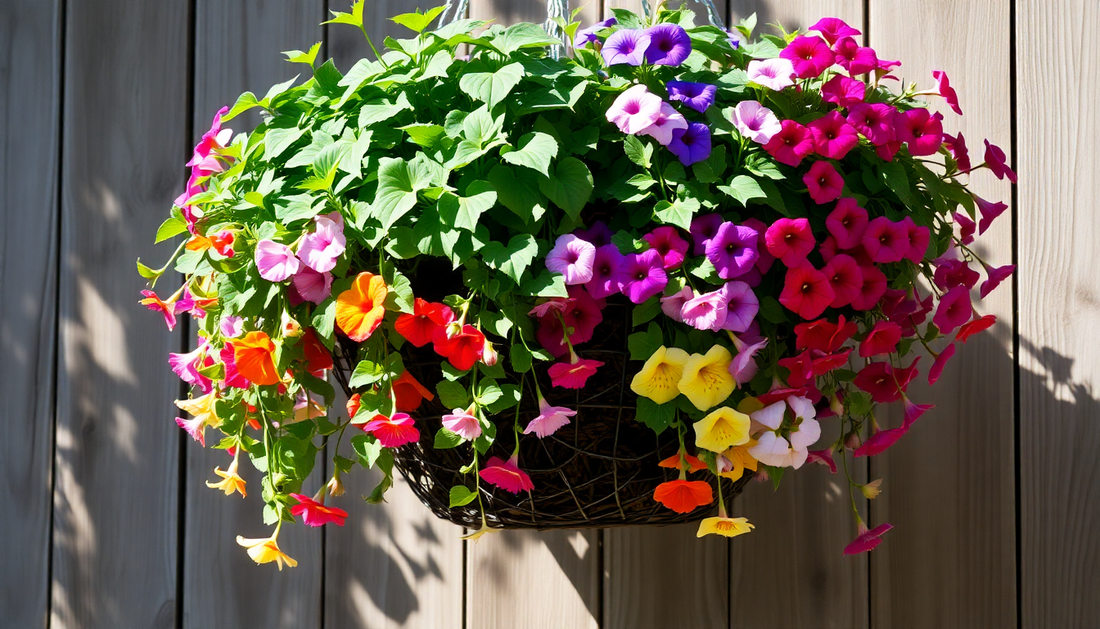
[[490, 87], [366, 373], [678, 213], [400, 296], [536, 152], [398, 184], [278, 139], [646, 310], [465, 212], [561, 95], [427, 135], [368, 449], [772, 310], [522, 35], [355, 18], [244, 102], [859, 403], [894, 175], [656, 416], [461, 495], [642, 345], [173, 226], [452, 394], [638, 151], [418, 21], [546, 284], [710, 170], [744, 189], [382, 109], [570, 186], [481, 128], [488, 391], [513, 259], [518, 190], [148, 272], [520, 358], [297, 56], [445, 439], [324, 321]]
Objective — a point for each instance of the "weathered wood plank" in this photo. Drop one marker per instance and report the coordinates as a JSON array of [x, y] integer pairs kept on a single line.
[[801, 528], [238, 46], [116, 498], [511, 11], [391, 565], [949, 485], [29, 135], [1057, 119]]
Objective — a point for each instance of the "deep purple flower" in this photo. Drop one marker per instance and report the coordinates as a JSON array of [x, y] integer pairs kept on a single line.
[[698, 96], [604, 266], [599, 234], [627, 46], [703, 228], [691, 145], [588, 35], [732, 251], [669, 45], [642, 275]]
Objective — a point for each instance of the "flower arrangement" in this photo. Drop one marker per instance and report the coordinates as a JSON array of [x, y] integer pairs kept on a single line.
[[785, 231]]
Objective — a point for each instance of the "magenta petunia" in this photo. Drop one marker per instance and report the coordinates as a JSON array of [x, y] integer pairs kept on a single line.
[[884, 382], [854, 58], [806, 291], [867, 540], [627, 46], [874, 286], [604, 265], [846, 223], [587, 36], [642, 275], [995, 161], [921, 130], [393, 432], [742, 306], [791, 144], [549, 420], [966, 227], [936, 370], [887, 151], [635, 109], [582, 313], [944, 89], [823, 182], [599, 234], [874, 120], [833, 29], [692, 144], [809, 55], [956, 145], [845, 278], [882, 339], [953, 310], [312, 286], [919, 238], [698, 96], [989, 211], [732, 251], [204, 161], [506, 474], [573, 375], [667, 241], [952, 273], [706, 311], [320, 249], [996, 276], [886, 241], [187, 365], [275, 261], [765, 260], [233, 378], [669, 45], [843, 91], [668, 121], [572, 258], [790, 240], [833, 136], [755, 122], [703, 228], [774, 74]]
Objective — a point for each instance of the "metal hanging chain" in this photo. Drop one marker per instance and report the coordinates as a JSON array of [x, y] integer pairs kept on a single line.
[[460, 12], [712, 12], [556, 8]]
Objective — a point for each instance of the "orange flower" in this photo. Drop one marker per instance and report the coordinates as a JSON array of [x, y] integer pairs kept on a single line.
[[684, 496], [254, 355], [409, 393], [359, 310], [694, 463]]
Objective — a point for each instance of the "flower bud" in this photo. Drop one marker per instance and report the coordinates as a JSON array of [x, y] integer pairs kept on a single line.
[[335, 487], [852, 441], [871, 490], [722, 464], [489, 355], [290, 326], [353, 405], [836, 405]]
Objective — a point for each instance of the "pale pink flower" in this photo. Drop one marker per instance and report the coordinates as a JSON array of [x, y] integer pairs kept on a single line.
[[635, 110], [672, 304], [572, 258], [463, 423], [667, 121], [320, 249], [231, 326], [549, 419], [312, 286], [755, 121], [774, 74], [274, 261], [707, 311]]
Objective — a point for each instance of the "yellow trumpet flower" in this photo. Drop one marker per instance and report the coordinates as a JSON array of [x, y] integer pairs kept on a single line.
[[706, 380], [722, 429], [726, 527], [660, 375], [266, 550]]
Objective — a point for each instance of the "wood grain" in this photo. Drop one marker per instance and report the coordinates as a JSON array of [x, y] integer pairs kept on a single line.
[[238, 46], [29, 136], [949, 485], [792, 14], [511, 11], [1057, 119], [116, 490]]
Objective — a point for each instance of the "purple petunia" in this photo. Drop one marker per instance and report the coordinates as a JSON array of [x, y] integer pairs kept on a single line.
[[627, 46], [691, 145], [669, 45], [573, 258], [588, 35], [732, 251], [604, 267], [698, 96], [742, 306], [642, 275]]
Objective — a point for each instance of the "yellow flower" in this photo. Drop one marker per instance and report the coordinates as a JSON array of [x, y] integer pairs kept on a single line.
[[872, 489], [722, 429], [728, 527], [484, 530], [750, 405], [202, 408], [741, 459], [707, 381], [659, 376], [266, 550], [230, 482]]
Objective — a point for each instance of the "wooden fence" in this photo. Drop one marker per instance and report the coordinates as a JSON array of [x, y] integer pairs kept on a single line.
[[106, 519]]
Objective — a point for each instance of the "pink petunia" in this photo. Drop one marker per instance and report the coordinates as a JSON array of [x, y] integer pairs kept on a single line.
[[231, 326], [883, 382], [833, 29], [989, 211], [882, 339], [847, 223], [573, 375], [920, 130], [867, 540], [954, 309], [706, 311], [742, 306], [874, 286], [668, 121], [605, 263], [320, 249], [944, 89], [995, 161], [843, 91], [952, 273], [765, 259], [874, 120], [233, 378], [845, 278], [793, 143], [996, 276], [833, 136], [275, 261], [774, 74], [854, 58], [919, 238], [755, 121], [956, 145], [187, 365], [641, 276], [806, 291], [312, 286], [463, 423], [672, 304], [743, 366], [823, 182], [667, 242], [887, 151], [572, 258], [506, 474], [936, 370], [393, 431], [635, 109], [809, 55], [549, 420], [886, 241], [790, 240], [196, 427], [966, 228]]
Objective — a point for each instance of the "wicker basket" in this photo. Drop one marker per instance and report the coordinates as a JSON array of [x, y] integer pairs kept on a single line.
[[600, 470]]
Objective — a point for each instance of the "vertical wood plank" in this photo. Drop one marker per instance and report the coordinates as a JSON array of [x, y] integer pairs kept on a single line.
[[802, 528], [391, 565], [29, 135], [1057, 119], [238, 46], [116, 498], [507, 12], [949, 485]]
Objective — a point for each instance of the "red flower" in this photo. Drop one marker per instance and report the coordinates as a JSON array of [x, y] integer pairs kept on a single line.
[[409, 393], [867, 539], [506, 475], [885, 240], [806, 291], [353, 405], [573, 375], [315, 513], [823, 181], [791, 144], [941, 361], [824, 457], [822, 335], [801, 368], [393, 431], [846, 223], [419, 327], [971, 328], [684, 496], [882, 339], [883, 382], [318, 359], [461, 350], [694, 463], [845, 278], [824, 364], [790, 240], [874, 286]]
